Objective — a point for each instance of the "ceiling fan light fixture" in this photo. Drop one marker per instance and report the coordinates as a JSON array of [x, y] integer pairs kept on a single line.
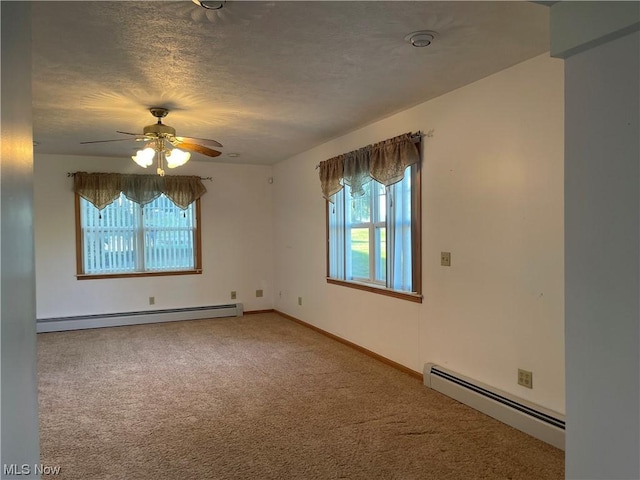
[[177, 158], [421, 38], [161, 138], [144, 157], [210, 4]]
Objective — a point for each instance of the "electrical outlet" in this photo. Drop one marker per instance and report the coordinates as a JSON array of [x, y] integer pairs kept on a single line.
[[445, 259], [152, 300], [258, 293], [299, 300], [233, 294], [525, 378]]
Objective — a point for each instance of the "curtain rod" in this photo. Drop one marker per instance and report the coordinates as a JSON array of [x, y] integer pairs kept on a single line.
[[72, 174], [415, 138]]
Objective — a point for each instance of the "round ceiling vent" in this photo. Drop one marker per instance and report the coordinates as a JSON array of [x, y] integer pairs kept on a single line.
[[210, 4], [421, 38]]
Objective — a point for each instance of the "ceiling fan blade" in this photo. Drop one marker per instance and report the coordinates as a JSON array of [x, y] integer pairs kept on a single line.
[[103, 141], [206, 141], [194, 147], [129, 133]]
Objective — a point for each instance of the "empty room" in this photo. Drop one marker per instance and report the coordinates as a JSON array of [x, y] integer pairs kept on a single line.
[[317, 239]]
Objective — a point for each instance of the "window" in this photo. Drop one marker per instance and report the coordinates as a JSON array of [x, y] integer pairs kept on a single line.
[[129, 239], [374, 239]]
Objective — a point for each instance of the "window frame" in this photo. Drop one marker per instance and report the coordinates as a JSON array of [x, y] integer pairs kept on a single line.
[[80, 275], [372, 226], [416, 242]]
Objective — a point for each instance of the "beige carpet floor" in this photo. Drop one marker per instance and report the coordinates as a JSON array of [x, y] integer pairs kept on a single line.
[[257, 397]]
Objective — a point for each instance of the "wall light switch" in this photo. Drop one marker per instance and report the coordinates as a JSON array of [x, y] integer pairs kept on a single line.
[[258, 293], [299, 300], [445, 259]]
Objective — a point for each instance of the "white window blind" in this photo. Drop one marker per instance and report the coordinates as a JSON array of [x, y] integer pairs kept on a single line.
[[126, 237]]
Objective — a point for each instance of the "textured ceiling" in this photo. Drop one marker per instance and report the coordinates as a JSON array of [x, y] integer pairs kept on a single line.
[[266, 79]]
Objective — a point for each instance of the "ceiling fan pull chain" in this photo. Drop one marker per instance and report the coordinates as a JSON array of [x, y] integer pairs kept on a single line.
[[161, 158]]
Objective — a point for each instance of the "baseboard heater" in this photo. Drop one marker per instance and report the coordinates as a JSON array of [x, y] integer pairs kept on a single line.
[[135, 318], [534, 420]]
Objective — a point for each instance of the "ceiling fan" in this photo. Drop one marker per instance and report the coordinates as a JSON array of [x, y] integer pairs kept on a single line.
[[158, 136]]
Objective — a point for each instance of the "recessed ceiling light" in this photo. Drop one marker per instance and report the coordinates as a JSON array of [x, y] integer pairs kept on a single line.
[[421, 38], [233, 155], [210, 4]]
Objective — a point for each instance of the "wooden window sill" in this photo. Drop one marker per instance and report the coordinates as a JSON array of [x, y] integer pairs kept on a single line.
[[411, 297], [136, 274]]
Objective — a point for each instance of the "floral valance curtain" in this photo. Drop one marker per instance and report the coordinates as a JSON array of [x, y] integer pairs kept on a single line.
[[384, 162], [103, 188]]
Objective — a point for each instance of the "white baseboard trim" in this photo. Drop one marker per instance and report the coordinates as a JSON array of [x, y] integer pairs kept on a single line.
[[80, 322]]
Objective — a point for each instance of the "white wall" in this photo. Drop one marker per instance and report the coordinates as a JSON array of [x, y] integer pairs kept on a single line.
[[236, 240], [578, 26], [19, 403], [603, 261], [493, 196]]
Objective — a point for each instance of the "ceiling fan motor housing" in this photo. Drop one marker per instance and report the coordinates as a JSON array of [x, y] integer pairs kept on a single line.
[[159, 130]]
